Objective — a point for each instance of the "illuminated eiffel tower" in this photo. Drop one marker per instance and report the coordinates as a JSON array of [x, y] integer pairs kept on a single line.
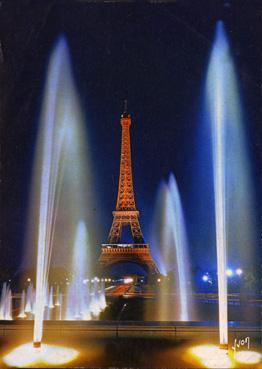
[[126, 214]]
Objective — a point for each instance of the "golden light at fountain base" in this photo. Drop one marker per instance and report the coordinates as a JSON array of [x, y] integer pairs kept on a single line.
[[211, 356], [248, 357], [27, 355]]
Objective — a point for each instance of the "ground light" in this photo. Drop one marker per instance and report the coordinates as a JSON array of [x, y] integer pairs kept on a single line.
[[239, 271], [248, 357], [211, 356], [27, 355]]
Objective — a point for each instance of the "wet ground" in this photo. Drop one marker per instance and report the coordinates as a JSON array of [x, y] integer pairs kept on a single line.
[[149, 309]]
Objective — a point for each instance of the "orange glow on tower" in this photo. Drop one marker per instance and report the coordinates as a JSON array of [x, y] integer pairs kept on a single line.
[[126, 213]]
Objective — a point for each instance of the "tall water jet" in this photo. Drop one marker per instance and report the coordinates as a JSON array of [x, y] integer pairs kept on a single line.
[[77, 296], [217, 103], [60, 181], [231, 172], [102, 297], [218, 135], [51, 147], [172, 241]]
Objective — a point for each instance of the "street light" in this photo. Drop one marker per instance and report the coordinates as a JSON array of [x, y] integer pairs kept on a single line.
[[229, 272], [239, 271]]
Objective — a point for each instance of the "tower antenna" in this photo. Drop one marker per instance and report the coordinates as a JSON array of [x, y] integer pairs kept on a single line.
[[125, 106]]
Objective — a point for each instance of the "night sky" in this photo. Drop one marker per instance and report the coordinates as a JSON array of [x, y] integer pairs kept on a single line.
[[155, 55]]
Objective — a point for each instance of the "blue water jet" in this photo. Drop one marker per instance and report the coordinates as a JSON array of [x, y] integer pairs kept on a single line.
[[78, 292], [175, 295], [234, 207], [61, 177]]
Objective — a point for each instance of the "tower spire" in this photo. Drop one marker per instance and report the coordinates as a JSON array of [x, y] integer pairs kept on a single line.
[[125, 106], [125, 203]]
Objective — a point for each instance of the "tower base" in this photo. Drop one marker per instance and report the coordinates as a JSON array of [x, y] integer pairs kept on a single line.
[[136, 253]]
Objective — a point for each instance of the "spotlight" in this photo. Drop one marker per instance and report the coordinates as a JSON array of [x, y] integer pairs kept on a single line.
[[205, 278], [28, 279]]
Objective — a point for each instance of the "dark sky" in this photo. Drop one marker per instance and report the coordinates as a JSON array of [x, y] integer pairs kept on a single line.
[[153, 54]]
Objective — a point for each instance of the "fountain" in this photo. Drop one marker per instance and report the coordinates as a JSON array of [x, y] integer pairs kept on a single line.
[[3, 301], [29, 298], [94, 304], [22, 313], [51, 299], [57, 160], [232, 180], [234, 203], [218, 101], [6, 303], [78, 294], [172, 241], [60, 183]]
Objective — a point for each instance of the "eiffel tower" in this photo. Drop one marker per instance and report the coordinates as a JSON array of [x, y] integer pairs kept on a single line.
[[126, 214]]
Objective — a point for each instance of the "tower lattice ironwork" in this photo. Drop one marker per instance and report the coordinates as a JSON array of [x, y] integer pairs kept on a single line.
[[126, 214]]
